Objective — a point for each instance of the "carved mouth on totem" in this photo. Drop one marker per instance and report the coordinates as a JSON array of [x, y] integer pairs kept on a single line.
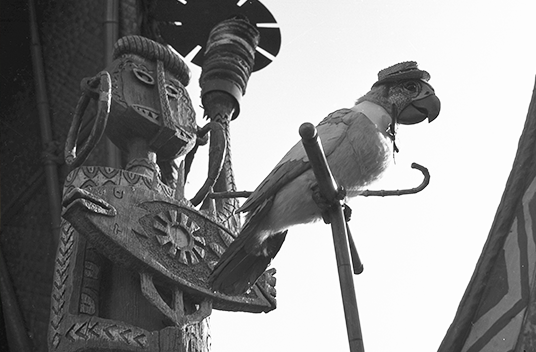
[[144, 111]]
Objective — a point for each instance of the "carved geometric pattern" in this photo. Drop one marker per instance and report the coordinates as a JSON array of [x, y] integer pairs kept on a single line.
[[92, 176], [61, 273], [227, 207], [115, 74], [217, 249], [101, 330], [228, 239], [177, 232], [89, 295], [87, 304]]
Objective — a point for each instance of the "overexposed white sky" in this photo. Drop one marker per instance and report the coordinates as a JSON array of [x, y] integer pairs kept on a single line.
[[419, 251]]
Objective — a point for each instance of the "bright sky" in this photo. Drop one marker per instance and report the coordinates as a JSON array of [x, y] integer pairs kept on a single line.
[[419, 251]]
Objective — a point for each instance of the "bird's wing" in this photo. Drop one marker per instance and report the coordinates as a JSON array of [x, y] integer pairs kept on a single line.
[[331, 130], [334, 128], [285, 171]]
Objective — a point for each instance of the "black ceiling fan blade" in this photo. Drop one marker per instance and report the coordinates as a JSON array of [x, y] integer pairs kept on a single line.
[[187, 24]]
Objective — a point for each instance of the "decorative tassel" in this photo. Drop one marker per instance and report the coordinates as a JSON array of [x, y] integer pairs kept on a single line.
[[392, 128]]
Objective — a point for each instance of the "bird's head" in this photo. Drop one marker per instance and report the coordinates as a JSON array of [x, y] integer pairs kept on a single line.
[[403, 91]]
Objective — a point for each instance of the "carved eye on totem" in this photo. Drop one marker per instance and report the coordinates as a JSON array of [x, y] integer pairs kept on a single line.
[[172, 91], [143, 76]]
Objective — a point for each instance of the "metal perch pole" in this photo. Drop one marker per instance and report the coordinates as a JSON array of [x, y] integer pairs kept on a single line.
[[328, 189]]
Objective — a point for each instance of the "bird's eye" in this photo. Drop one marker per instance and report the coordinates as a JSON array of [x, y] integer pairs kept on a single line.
[[412, 87], [143, 76], [172, 91]]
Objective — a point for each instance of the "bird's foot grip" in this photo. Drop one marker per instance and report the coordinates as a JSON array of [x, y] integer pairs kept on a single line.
[[176, 312], [325, 205], [341, 193]]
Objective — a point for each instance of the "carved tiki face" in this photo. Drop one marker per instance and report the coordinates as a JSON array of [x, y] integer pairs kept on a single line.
[[150, 107]]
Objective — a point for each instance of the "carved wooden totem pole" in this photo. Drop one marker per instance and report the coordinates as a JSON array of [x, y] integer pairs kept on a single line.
[[134, 254]]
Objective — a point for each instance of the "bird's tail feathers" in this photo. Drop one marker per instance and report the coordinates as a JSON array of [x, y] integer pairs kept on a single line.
[[239, 269]]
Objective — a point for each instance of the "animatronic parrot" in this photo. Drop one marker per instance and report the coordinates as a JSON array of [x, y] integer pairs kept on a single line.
[[356, 143]]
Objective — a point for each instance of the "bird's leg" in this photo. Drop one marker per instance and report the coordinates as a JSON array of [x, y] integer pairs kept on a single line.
[[321, 203], [326, 204]]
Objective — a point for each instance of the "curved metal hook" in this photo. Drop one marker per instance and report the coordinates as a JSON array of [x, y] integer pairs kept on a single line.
[[400, 192], [365, 193]]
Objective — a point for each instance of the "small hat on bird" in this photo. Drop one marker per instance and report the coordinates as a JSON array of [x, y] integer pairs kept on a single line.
[[401, 71]]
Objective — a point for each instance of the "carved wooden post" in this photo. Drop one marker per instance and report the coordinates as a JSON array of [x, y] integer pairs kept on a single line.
[[134, 256]]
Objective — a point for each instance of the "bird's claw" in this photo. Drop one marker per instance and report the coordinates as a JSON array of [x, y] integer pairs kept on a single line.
[[322, 203], [325, 205], [341, 193]]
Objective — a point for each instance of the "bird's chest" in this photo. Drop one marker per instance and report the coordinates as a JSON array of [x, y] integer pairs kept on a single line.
[[360, 159]]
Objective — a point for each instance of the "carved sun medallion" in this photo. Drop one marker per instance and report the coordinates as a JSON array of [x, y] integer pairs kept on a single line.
[[177, 232]]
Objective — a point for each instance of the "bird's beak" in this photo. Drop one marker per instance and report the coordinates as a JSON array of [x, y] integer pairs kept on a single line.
[[425, 106]]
